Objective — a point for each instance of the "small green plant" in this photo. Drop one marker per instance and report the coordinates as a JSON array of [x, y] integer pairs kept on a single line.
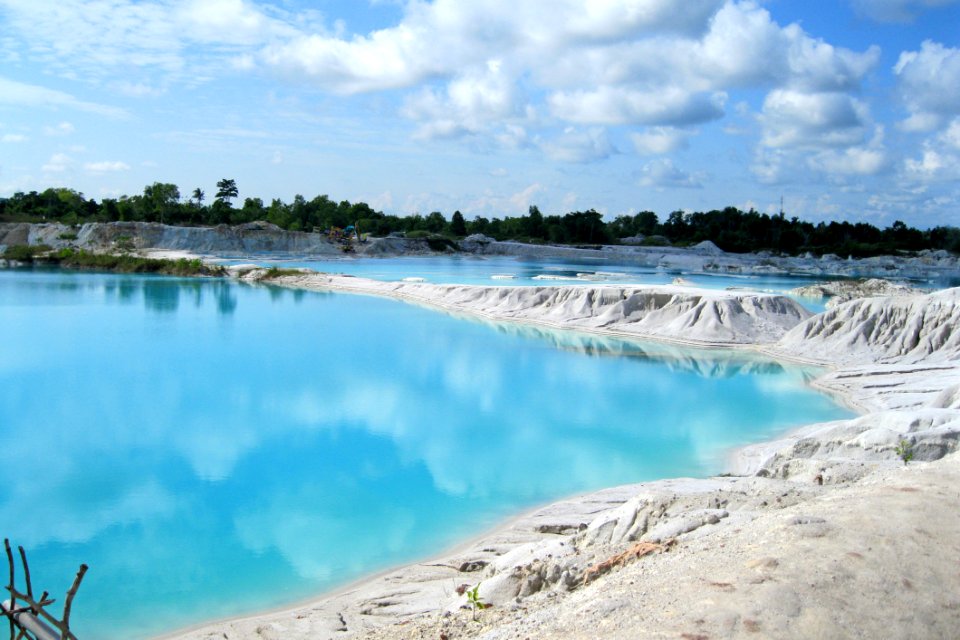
[[25, 252], [277, 272], [473, 599], [68, 236], [124, 244], [904, 451]]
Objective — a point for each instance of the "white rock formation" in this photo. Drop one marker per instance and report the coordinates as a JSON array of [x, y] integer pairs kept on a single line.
[[905, 329], [703, 317], [840, 291]]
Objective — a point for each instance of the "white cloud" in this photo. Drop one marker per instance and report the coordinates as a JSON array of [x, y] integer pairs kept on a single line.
[[745, 47], [522, 200], [469, 104], [621, 105], [440, 38], [896, 10], [608, 63], [90, 39], [58, 163], [951, 137], [930, 165], [813, 120], [106, 166], [660, 140], [851, 161], [579, 146], [228, 22], [20, 94], [939, 159], [662, 173], [13, 138], [929, 84]]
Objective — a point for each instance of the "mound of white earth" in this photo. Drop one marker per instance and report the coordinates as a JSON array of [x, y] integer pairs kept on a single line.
[[906, 329], [666, 313], [840, 291]]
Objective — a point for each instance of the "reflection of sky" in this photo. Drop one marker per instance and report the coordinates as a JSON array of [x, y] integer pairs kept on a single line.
[[198, 441]]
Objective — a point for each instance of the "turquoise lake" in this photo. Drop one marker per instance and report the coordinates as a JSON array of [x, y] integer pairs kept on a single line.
[[212, 448]]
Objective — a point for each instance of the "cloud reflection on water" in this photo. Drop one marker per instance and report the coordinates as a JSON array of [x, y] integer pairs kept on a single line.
[[165, 431]]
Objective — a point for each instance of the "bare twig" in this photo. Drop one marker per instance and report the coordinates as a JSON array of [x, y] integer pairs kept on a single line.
[[32, 618], [71, 592], [26, 572], [13, 596]]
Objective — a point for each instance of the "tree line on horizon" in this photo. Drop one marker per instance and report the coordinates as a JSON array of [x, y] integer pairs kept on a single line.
[[730, 228]]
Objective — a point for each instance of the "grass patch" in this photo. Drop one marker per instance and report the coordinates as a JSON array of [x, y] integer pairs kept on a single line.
[[71, 259], [276, 272], [26, 252]]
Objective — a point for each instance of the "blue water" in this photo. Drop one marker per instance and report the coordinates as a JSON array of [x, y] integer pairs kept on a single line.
[[211, 448]]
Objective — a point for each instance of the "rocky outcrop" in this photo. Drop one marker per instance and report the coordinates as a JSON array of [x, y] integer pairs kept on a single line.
[[253, 238], [702, 317], [840, 291], [846, 450], [905, 329]]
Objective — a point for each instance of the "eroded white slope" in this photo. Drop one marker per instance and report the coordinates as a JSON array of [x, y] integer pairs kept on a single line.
[[668, 313], [907, 329]]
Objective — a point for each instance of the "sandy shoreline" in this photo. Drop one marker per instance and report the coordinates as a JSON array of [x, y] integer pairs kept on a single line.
[[523, 565]]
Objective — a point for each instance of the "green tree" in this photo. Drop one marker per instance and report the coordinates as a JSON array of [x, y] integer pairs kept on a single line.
[[458, 226], [435, 222], [532, 223], [161, 202], [227, 190]]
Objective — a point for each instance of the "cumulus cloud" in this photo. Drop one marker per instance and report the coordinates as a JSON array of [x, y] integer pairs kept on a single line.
[[507, 71], [896, 10], [863, 161], [622, 105], [932, 165], [929, 84], [662, 173], [610, 63], [938, 159], [13, 138], [812, 120], [579, 145], [745, 47], [470, 104], [660, 140]]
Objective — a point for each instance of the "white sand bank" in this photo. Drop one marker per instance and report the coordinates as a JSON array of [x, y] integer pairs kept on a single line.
[[825, 532]]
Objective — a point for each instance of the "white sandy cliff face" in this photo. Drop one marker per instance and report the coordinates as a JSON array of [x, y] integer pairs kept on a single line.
[[823, 533], [669, 313]]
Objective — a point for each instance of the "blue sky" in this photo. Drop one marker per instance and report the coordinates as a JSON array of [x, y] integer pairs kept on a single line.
[[848, 109]]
